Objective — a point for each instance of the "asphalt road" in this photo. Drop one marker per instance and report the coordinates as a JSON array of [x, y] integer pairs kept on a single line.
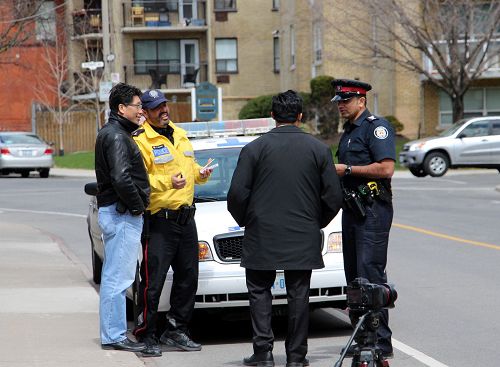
[[443, 254]]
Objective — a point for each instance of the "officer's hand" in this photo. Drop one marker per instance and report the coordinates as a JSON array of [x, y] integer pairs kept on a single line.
[[178, 182], [340, 168]]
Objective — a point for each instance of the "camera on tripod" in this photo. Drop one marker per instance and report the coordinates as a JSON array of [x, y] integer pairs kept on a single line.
[[366, 302], [364, 296]]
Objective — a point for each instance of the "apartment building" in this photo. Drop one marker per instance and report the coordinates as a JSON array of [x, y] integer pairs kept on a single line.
[[247, 48]]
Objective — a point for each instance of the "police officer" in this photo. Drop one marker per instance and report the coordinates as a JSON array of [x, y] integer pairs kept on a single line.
[[366, 156], [171, 239]]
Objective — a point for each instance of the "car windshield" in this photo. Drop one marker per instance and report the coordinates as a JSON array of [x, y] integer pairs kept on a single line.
[[19, 139], [457, 125], [218, 185]]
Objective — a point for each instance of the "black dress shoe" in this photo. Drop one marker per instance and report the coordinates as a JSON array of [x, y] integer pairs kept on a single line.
[[153, 348], [264, 359], [126, 345], [180, 340], [305, 363]]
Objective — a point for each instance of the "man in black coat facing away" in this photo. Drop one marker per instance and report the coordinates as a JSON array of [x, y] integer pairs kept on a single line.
[[283, 191]]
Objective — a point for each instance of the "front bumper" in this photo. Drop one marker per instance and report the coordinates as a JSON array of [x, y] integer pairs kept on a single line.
[[411, 158], [224, 285]]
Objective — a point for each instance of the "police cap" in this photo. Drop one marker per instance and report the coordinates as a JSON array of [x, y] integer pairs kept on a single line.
[[346, 88], [151, 99]]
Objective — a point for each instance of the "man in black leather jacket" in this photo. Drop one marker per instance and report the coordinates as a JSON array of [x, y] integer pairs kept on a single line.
[[123, 195]]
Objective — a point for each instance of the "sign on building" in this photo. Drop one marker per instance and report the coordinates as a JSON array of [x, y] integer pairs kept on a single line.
[[104, 91]]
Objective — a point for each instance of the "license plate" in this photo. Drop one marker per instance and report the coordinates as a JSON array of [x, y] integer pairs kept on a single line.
[[27, 153], [279, 287]]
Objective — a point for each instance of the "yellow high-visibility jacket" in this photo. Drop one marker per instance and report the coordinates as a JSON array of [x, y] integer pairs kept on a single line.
[[164, 160]]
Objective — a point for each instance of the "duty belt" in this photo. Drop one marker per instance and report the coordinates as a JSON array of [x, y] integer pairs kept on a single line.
[[181, 216]]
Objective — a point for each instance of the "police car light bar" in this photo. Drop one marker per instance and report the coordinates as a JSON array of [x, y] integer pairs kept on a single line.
[[228, 128]]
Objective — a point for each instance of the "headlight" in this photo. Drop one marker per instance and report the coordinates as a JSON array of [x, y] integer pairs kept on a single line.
[[204, 253], [334, 242], [418, 146]]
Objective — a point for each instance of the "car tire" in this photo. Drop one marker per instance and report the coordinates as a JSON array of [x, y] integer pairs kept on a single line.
[[44, 173], [436, 164], [25, 174], [96, 264], [418, 171]]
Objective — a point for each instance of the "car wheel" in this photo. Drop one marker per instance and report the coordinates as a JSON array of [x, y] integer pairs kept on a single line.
[[25, 174], [436, 164], [418, 171], [96, 265], [44, 173]]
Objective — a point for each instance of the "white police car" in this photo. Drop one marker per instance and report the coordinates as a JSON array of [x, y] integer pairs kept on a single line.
[[221, 281]]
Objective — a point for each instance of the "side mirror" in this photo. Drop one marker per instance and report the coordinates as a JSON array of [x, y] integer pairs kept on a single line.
[[461, 135], [91, 188]]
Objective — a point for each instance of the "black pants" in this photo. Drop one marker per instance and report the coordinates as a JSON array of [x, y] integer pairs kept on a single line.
[[259, 283], [365, 243], [169, 245]]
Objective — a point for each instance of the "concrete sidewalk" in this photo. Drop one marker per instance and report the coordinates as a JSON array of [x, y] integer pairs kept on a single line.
[[48, 309]]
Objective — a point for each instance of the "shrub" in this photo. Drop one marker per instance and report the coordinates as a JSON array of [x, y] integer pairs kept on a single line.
[[257, 107], [396, 124]]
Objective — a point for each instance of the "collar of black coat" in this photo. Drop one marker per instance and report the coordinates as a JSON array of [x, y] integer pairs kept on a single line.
[[288, 128], [358, 121], [124, 122]]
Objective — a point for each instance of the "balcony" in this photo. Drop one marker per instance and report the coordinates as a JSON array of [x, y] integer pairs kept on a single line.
[[169, 76], [492, 68], [87, 24], [164, 16]]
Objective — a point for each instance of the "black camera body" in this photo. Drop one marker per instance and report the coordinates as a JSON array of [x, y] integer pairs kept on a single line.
[[364, 296]]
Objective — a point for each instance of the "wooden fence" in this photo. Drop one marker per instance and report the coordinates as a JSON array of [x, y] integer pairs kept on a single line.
[[79, 132]]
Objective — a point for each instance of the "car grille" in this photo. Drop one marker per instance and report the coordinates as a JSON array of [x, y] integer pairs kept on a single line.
[[228, 247]]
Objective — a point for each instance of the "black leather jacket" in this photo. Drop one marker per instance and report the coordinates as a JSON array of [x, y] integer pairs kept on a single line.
[[121, 175]]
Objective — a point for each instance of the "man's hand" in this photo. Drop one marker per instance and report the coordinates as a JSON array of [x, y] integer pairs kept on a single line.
[[206, 172], [178, 182], [340, 168]]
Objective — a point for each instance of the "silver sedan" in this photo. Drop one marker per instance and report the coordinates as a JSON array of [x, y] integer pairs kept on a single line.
[[23, 152]]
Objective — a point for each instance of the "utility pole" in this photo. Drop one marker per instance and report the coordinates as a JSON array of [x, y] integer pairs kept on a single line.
[[106, 46]]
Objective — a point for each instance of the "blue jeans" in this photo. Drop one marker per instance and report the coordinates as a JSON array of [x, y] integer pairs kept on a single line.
[[122, 242]]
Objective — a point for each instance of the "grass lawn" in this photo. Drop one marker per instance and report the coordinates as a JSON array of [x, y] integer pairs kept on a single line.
[[81, 160]]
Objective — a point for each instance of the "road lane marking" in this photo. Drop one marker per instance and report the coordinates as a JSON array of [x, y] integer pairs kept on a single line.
[[43, 212], [419, 356], [447, 237], [412, 352]]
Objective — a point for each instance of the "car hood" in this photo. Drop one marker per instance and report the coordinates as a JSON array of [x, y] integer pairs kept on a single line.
[[424, 140], [212, 219]]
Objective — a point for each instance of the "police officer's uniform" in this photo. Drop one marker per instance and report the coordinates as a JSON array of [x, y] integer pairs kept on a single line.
[[367, 140], [171, 239]]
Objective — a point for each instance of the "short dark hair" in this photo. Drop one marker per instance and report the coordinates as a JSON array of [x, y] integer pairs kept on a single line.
[[122, 94], [287, 106]]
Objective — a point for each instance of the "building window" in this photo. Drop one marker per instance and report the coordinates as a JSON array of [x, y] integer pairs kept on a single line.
[[225, 5], [292, 47], [276, 52], [276, 5], [318, 43], [162, 56], [226, 55], [477, 102], [46, 22]]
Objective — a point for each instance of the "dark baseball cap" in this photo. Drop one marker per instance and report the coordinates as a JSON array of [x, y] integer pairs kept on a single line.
[[346, 88], [151, 99]]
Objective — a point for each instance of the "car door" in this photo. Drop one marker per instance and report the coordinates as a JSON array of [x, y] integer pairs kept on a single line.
[[473, 144], [495, 142]]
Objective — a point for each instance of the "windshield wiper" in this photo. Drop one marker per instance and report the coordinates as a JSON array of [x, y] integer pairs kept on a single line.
[[204, 199]]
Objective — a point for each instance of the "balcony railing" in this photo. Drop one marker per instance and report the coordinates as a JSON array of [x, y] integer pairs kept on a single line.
[[87, 21], [171, 75], [166, 13]]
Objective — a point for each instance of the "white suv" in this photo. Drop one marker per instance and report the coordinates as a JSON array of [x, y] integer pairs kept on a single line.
[[473, 142], [221, 281]]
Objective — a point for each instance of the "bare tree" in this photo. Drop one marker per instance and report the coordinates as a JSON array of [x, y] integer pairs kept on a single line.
[[451, 43], [16, 23]]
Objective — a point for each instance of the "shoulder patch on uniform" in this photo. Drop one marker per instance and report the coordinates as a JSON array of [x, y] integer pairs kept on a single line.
[[138, 132], [381, 132], [372, 118]]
